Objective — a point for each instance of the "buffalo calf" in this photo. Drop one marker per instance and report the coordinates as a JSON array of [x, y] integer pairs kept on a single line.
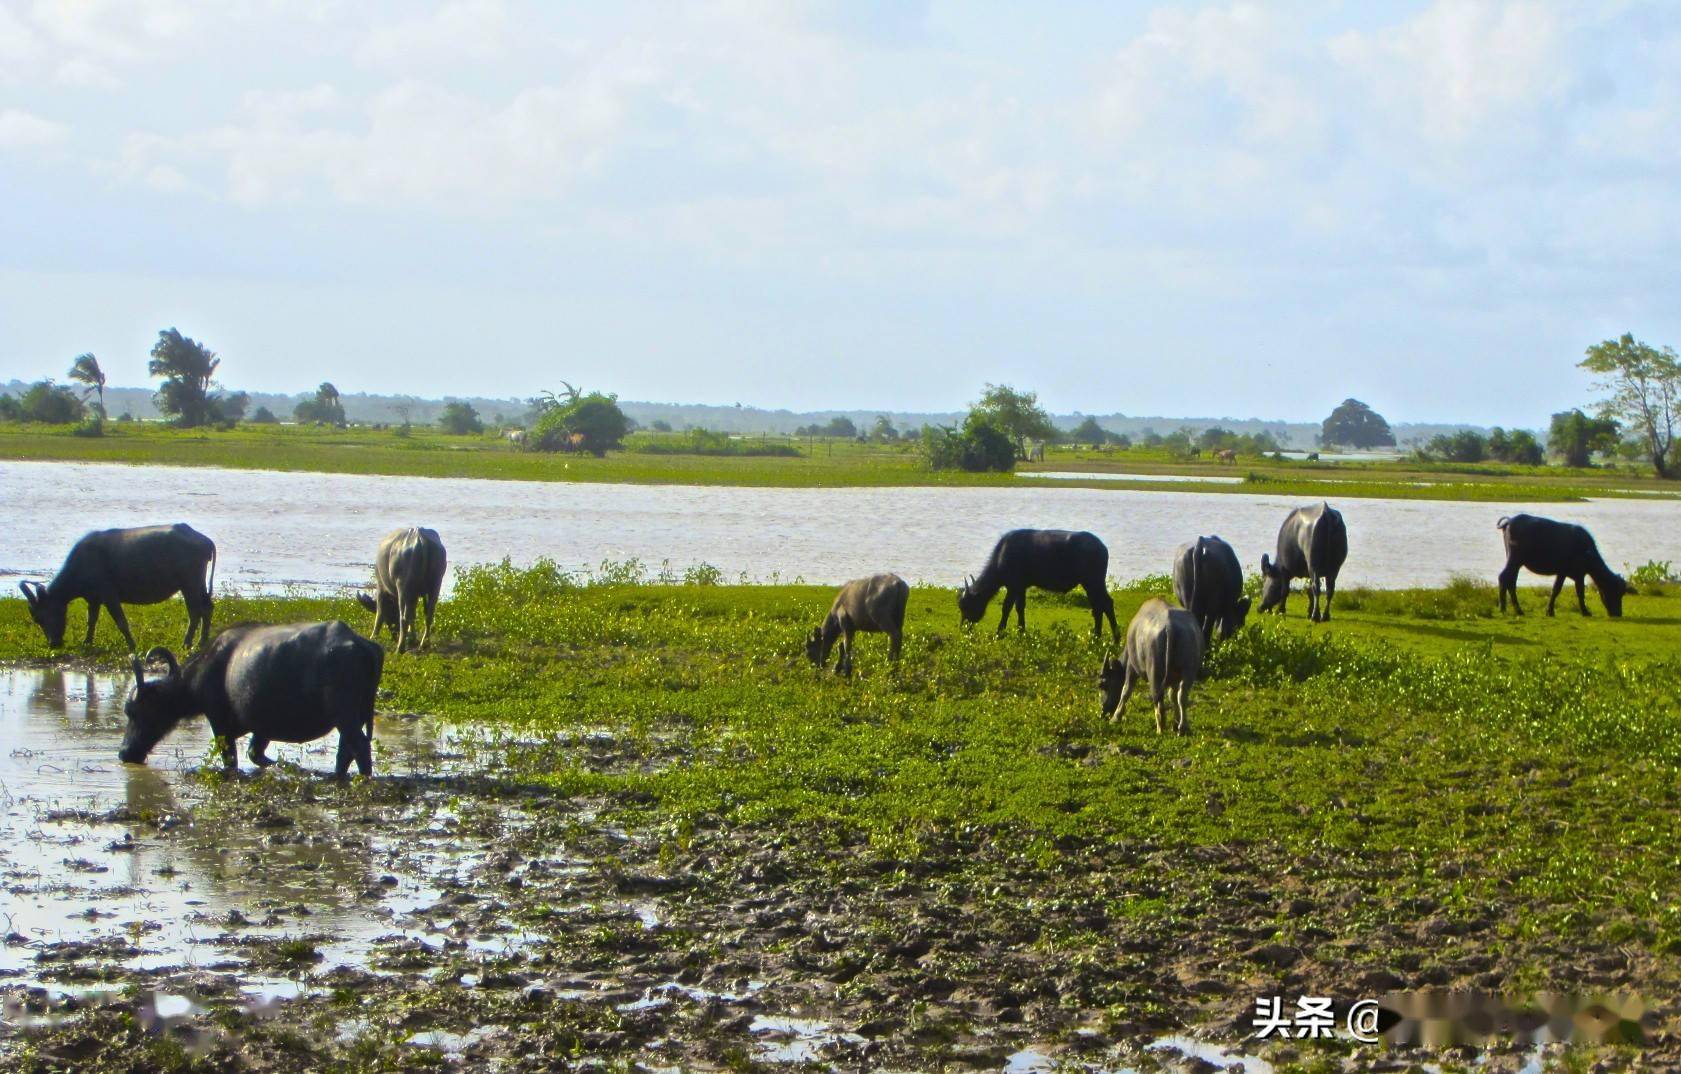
[[1164, 647], [876, 603]]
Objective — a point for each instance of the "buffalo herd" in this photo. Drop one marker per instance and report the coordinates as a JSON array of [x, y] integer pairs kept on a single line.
[[296, 682]]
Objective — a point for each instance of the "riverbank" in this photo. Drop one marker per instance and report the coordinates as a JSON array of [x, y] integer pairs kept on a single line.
[[946, 864], [819, 464]]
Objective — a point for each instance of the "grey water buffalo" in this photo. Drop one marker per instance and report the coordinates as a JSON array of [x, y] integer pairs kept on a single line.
[[1312, 544], [1563, 549], [1209, 584], [1164, 647], [410, 568], [1056, 560], [110, 568], [289, 683], [876, 603]]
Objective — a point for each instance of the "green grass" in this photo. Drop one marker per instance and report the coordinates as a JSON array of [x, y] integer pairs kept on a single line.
[[1526, 763], [425, 452]]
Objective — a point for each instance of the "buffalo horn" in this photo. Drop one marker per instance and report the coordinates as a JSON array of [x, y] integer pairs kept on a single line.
[[139, 671], [29, 593], [160, 653]]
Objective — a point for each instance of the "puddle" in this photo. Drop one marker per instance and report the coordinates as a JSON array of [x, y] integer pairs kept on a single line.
[[1210, 1053], [797, 1040]]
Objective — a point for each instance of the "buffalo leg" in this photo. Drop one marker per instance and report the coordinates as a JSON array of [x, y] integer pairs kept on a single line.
[[1021, 610], [846, 650], [431, 607], [1558, 585], [1581, 598], [1157, 697], [1128, 683], [1313, 598], [1004, 620], [117, 616], [895, 638], [353, 746], [93, 617], [1509, 584], [1182, 698], [1330, 591], [258, 752]]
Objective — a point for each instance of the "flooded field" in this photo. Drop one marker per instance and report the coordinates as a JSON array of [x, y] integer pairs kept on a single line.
[[318, 532]]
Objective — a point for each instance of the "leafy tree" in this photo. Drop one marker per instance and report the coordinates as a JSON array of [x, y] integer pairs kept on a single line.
[[660, 426], [1645, 391], [10, 409], [1215, 437], [1354, 424], [264, 416], [1575, 437], [1090, 432], [883, 429], [187, 367], [460, 419], [840, 427], [980, 446], [85, 370], [324, 407], [230, 408], [1017, 414], [593, 423], [1518, 446], [1123, 441], [46, 402], [1466, 445]]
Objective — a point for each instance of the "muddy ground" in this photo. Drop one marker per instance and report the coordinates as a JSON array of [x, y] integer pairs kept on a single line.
[[166, 918]]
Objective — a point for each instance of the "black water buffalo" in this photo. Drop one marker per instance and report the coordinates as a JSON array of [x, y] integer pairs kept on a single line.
[[1164, 647], [1209, 584], [410, 568], [1312, 544], [290, 683], [110, 568], [1057, 560], [876, 603], [1558, 548]]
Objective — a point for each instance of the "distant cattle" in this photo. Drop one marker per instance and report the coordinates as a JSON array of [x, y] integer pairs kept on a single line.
[[409, 568], [876, 603], [1164, 647], [1312, 544], [1057, 560], [1208, 581], [290, 683], [110, 568], [1563, 549], [1226, 455]]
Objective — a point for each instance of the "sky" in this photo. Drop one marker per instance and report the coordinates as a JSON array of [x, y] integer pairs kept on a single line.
[[1228, 209]]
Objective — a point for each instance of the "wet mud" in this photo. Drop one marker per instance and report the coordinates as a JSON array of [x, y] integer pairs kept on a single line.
[[447, 915]]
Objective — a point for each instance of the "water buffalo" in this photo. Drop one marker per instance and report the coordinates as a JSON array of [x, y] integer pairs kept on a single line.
[[876, 603], [1057, 560], [110, 568], [1312, 544], [1209, 584], [1558, 548], [290, 683], [1164, 645], [410, 567]]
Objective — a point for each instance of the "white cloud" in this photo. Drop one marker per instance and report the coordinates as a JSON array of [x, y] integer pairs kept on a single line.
[[455, 31], [19, 130]]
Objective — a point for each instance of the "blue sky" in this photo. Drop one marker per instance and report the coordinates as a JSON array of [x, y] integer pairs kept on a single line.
[[1209, 209]]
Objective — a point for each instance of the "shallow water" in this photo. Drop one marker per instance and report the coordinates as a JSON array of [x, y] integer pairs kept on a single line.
[[319, 531], [1105, 475], [96, 852]]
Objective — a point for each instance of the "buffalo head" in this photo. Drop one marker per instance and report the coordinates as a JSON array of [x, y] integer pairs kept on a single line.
[[1612, 590], [1275, 585], [970, 604], [1232, 621], [814, 646], [1109, 682], [48, 614], [153, 708]]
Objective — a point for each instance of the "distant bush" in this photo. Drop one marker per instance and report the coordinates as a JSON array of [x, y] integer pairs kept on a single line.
[[707, 442], [93, 427], [1652, 573], [263, 416], [460, 419], [45, 402], [979, 447]]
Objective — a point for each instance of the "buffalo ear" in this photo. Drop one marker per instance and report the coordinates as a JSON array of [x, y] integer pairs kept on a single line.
[[1266, 565]]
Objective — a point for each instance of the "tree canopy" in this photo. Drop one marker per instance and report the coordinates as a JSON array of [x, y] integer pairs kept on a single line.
[[460, 419], [43, 401], [187, 367], [1576, 438], [324, 407], [592, 423], [1354, 424], [1644, 386], [1017, 414], [85, 370]]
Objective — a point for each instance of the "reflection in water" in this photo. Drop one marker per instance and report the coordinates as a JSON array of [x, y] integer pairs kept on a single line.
[[96, 852], [319, 531]]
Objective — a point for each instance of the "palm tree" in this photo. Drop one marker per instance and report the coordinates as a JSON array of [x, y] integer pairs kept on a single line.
[[187, 367], [85, 369]]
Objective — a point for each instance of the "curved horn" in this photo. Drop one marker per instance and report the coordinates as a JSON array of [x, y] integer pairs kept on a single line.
[[139, 670], [31, 594], [160, 653]]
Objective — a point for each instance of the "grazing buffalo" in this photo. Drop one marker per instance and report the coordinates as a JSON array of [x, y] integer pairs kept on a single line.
[[1164, 645], [1312, 544], [876, 603], [1057, 560], [1558, 548], [291, 683], [110, 568], [1226, 455], [1209, 584], [410, 568]]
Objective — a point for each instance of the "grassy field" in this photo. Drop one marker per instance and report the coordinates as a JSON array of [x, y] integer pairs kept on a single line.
[[1419, 794], [821, 463]]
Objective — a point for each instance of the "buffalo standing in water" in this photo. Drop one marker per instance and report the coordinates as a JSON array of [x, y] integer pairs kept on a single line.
[[1312, 544], [1558, 548], [290, 683], [876, 603], [1057, 560], [110, 568], [410, 568]]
